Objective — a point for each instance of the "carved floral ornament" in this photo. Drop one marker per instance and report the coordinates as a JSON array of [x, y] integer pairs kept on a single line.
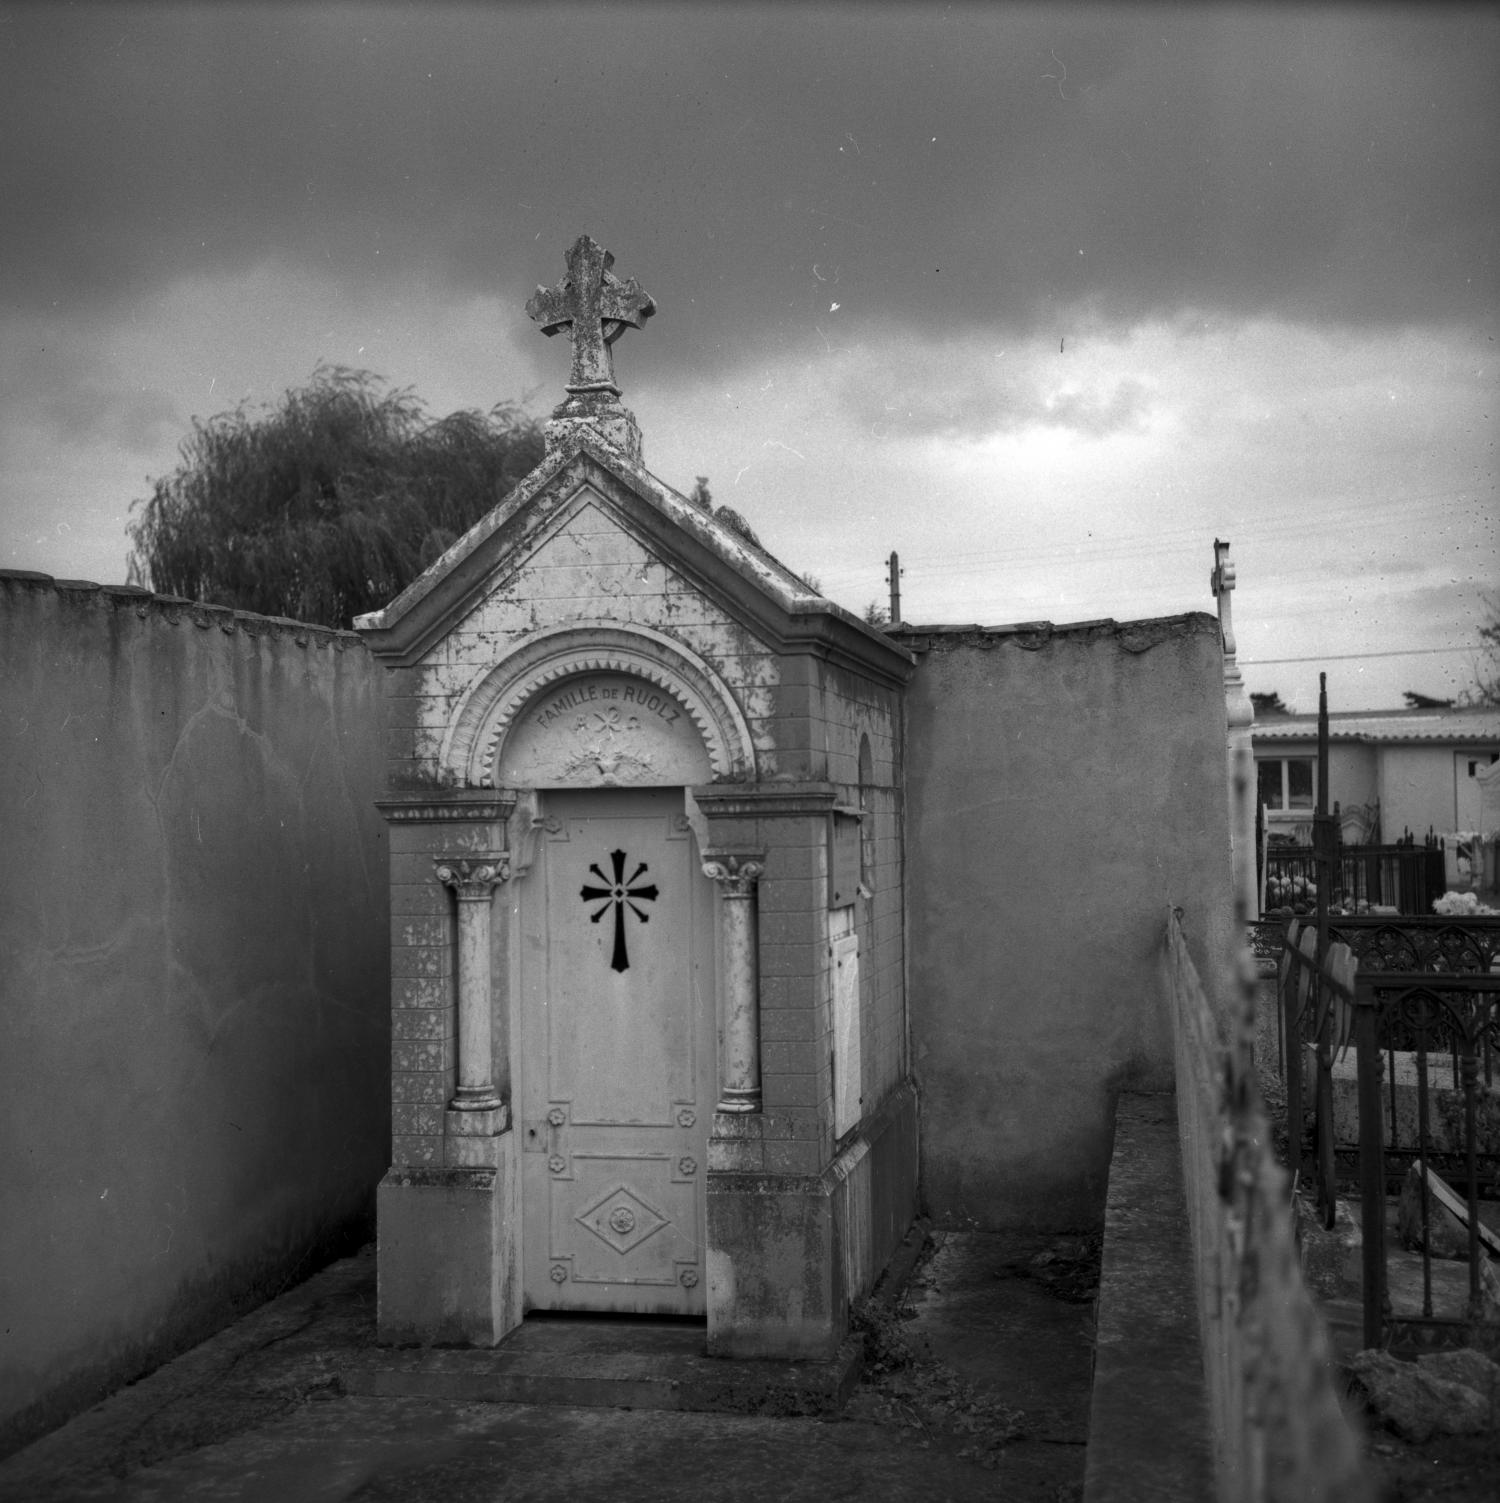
[[472, 877], [736, 874], [501, 697]]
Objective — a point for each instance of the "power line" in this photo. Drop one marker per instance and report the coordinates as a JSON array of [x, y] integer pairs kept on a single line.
[[1286, 528], [1343, 657]]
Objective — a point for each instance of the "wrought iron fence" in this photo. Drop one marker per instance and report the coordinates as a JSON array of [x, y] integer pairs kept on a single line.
[[1408, 877], [1420, 1001], [1316, 1012], [1442, 1014], [1429, 945]]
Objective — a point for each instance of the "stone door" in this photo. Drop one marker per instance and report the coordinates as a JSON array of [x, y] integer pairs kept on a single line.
[[618, 1056]]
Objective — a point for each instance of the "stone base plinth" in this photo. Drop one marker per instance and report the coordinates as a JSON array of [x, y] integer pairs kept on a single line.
[[788, 1253], [447, 1267], [614, 424], [775, 1279]]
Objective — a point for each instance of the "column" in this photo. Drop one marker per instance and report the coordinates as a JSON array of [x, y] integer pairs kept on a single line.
[[473, 880], [736, 876]]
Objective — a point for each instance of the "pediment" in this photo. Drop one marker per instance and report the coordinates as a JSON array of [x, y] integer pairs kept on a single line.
[[587, 490]]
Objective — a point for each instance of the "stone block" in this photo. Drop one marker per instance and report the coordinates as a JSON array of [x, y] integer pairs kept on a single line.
[[421, 1023], [409, 960], [414, 1119], [407, 1149], [447, 1266], [793, 1090], [475, 1138], [791, 959], [742, 1127], [795, 1057], [416, 1056], [802, 896], [788, 1024], [775, 1287], [794, 1123], [791, 1156], [430, 931], [420, 899], [422, 992], [736, 1156], [429, 1088]]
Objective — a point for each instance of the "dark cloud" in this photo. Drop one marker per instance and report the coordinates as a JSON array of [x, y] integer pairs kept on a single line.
[[939, 168], [73, 396]]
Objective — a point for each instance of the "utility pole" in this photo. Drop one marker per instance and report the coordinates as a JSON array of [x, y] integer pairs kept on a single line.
[[895, 577]]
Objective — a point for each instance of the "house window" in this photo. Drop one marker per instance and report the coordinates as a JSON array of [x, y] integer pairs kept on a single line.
[[1286, 782]]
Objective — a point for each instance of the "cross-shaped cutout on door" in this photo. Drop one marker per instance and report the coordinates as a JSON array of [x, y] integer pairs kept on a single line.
[[619, 894]]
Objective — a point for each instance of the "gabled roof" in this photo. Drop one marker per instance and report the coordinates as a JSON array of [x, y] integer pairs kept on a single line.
[[748, 582], [1466, 727]]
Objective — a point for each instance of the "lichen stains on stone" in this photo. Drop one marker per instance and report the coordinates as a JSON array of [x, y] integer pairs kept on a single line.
[[1031, 636]]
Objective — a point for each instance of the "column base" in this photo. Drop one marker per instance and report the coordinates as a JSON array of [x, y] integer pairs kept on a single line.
[[740, 1101], [446, 1262], [474, 1139]]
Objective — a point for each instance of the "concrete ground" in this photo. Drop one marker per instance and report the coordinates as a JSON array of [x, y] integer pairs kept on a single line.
[[976, 1386]]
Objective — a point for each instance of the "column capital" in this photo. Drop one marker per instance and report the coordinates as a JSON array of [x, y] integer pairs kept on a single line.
[[473, 878], [736, 872]]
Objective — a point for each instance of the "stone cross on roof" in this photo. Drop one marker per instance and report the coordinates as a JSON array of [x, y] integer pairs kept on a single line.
[[1221, 582], [595, 307]]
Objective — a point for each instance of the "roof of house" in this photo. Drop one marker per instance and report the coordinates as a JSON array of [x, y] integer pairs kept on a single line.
[[1459, 727]]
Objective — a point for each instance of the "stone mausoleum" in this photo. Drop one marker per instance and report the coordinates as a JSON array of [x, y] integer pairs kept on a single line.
[[649, 1016]]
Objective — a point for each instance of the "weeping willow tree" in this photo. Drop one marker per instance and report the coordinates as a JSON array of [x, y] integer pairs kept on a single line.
[[329, 503]]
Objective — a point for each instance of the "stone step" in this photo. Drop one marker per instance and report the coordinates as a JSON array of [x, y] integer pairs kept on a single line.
[[605, 1363]]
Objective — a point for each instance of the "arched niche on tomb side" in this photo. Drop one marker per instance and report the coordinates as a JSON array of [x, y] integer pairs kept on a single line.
[[599, 705]]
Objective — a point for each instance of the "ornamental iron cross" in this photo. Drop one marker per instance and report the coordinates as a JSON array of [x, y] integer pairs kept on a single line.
[[595, 307], [619, 894]]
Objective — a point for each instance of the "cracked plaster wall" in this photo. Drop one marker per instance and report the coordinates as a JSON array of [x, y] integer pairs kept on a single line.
[[590, 569], [193, 934], [1065, 787]]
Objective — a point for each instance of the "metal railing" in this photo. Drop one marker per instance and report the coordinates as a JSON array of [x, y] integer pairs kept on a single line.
[[1316, 1009], [1455, 1014], [1407, 876], [1420, 1003]]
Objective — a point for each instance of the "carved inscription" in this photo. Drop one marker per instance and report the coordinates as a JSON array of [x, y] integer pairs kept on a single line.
[[642, 699], [610, 730]]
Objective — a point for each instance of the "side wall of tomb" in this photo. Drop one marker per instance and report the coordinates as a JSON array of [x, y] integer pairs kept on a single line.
[[1065, 787], [853, 729], [193, 925]]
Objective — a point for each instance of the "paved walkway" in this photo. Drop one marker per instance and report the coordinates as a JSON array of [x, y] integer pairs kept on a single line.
[[977, 1388]]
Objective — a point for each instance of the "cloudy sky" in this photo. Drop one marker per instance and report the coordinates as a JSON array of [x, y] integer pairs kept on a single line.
[[1044, 299]]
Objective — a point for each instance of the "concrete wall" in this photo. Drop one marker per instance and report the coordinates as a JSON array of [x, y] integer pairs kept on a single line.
[[1352, 775], [1065, 786], [1278, 1422], [193, 1083], [1416, 790]]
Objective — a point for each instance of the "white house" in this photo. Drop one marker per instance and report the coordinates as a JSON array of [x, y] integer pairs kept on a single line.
[[1388, 770]]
